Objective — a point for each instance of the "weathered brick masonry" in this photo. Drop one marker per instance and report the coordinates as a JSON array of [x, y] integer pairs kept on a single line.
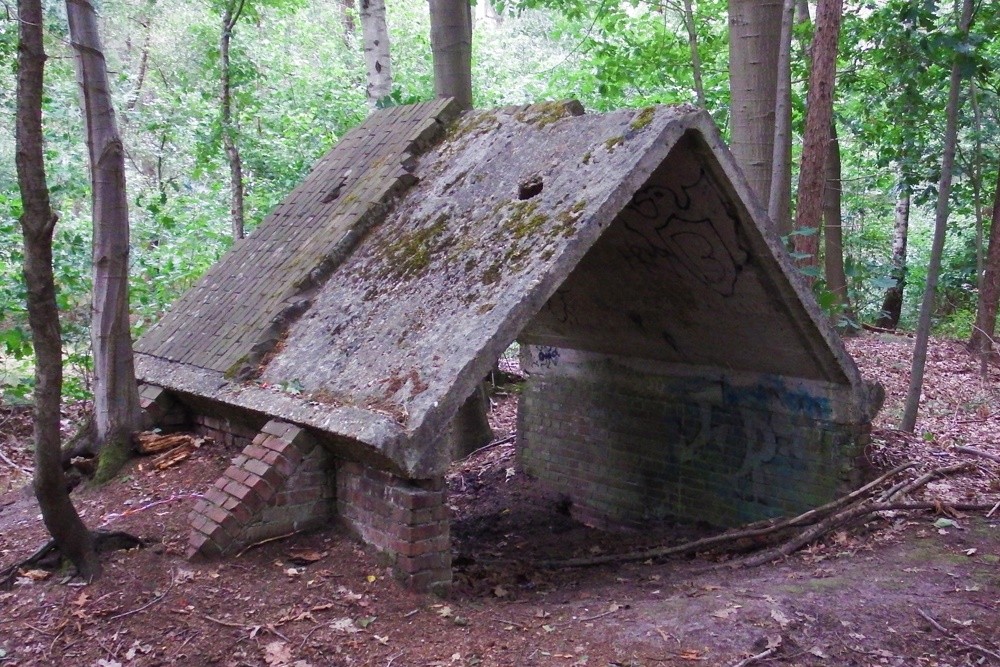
[[407, 520], [631, 443], [281, 482]]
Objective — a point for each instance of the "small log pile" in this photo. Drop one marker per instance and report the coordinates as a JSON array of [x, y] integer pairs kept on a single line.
[[170, 449]]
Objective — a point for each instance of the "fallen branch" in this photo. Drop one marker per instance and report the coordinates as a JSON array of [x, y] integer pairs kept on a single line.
[[924, 480], [963, 642], [843, 518], [12, 464], [977, 452], [752, 531]]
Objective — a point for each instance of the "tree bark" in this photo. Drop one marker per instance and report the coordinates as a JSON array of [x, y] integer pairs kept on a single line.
[[376, 46], [909, 420], [37, 225], [451, 46], [833, 255], [754, 36], [892, 304], [815, 144], [116, 396], [781, 160], [981, 341], [692, 34], [230, 16]]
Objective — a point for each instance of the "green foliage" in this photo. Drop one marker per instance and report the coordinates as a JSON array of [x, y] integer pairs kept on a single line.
[[299, 85]]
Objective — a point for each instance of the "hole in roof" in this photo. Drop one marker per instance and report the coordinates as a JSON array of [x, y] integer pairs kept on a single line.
[[529, 188]]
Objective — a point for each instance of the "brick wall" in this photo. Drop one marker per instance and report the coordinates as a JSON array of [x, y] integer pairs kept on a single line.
[[407, 520], [282, 482], [632, 442]]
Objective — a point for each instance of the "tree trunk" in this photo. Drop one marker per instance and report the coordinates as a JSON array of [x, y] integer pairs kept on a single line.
[[230, 16], [116, 397], [37, 225], [376, 39], [451, 45], [892, 305], [816, 142], [982, 340], [754, 36], [781, 160], [692, 33], [836, 279], [347, 19], [940, 227]]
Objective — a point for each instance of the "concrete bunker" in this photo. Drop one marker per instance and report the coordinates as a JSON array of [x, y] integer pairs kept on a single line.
[[677, 365]]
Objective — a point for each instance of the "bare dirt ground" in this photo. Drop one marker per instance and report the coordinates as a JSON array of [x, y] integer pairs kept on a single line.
[[901, 589]]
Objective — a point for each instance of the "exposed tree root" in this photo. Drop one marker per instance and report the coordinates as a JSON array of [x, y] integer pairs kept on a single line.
[[846, 510], [48, 556]]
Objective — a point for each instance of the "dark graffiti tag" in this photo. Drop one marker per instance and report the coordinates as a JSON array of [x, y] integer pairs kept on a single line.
[[687, 229], [548, 357]]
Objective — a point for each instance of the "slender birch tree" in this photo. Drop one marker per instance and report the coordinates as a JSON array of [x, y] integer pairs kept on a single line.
[[378, 64]]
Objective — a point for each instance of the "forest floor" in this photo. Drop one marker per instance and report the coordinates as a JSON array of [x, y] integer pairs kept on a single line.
[[900, 589]]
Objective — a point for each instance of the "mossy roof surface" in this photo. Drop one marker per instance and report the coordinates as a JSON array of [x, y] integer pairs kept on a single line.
[[403, 309]]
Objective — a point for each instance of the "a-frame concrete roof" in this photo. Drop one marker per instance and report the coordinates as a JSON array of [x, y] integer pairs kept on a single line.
[[369, 304]]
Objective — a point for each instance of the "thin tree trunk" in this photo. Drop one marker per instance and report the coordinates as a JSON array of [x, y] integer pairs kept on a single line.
[[983, 333], [37, 225], [892, 304], [116, 397], [230, 17], [347, 18], [692, 33], [940, 227], [376, 46], [833, 256], [815, 145], [976, 174], [754, 36], [451, 45], [781, 161]]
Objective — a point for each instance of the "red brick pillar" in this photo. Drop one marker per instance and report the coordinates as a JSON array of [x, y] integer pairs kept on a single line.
[[405, 519]]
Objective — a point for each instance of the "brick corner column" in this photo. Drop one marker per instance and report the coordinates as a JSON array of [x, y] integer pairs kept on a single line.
[[159, 408], [233, 511], [407, 520]]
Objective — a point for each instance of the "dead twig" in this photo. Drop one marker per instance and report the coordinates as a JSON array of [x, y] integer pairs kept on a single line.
[[767, 653], [12, 464], [148, 604], [228, 624], [924, 480], [977, 452], [510, 623], [270, 539], [495, 443], [975, 647]]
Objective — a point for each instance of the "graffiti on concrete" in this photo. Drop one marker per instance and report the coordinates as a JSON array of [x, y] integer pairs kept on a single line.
[[687, 229], [560, 306], [548, 357]]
